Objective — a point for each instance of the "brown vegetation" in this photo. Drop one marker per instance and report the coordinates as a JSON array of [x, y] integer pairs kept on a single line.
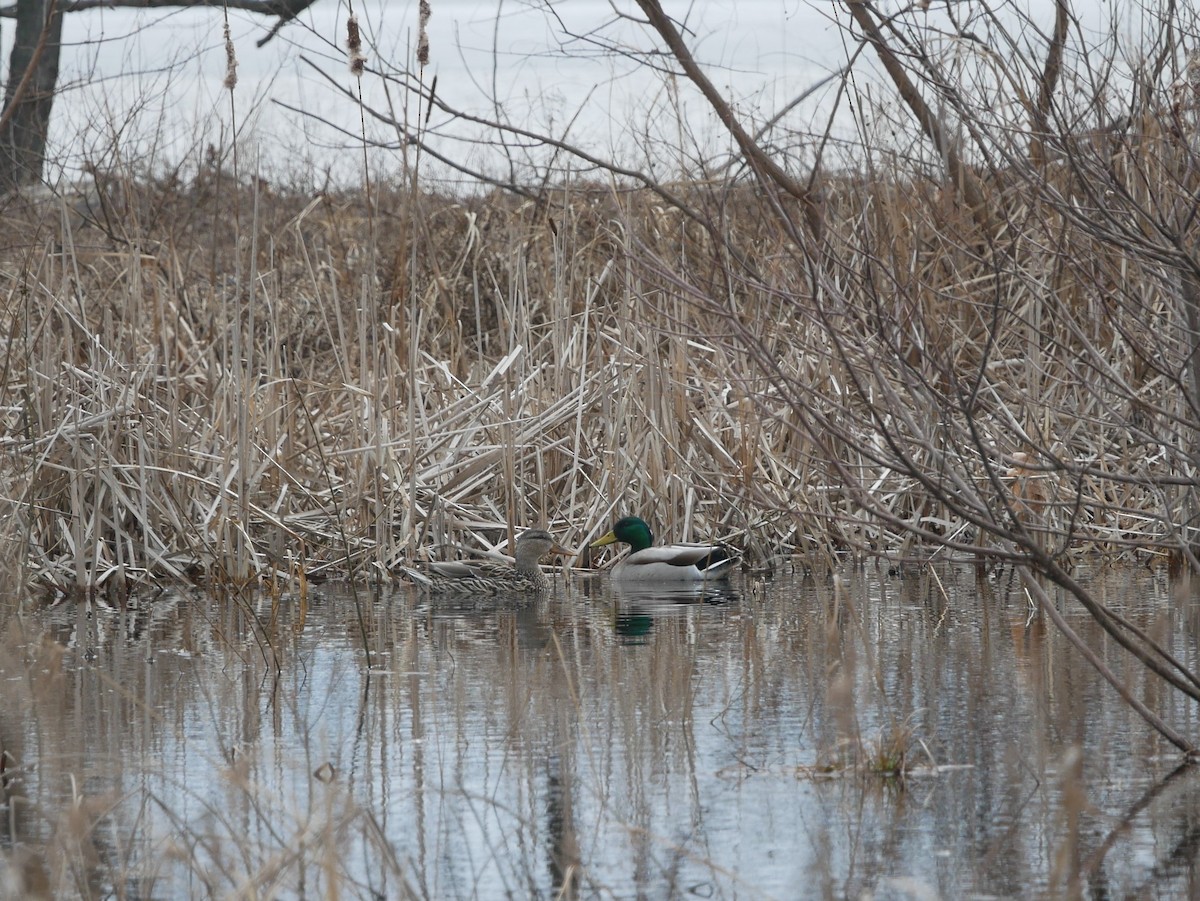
[[204, 379], [215, 379], [164, 418]]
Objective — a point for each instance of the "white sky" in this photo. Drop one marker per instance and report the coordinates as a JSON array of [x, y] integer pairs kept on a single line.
[[150, 81]]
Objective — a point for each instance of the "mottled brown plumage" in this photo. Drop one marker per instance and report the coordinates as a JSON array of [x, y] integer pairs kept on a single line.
[[461, 577]]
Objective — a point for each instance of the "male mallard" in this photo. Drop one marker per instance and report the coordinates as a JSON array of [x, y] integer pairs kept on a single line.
[[490, 576], [670, 563]]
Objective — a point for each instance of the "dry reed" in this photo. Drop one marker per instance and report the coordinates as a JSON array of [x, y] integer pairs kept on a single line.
[[518, 364]]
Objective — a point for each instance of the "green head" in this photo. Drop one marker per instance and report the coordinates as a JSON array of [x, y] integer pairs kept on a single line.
[[628, 530]]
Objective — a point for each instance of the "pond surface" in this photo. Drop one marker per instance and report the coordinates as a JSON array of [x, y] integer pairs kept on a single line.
[[595, 744]]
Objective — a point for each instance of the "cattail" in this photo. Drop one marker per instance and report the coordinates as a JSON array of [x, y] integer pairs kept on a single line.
[[230, 61], [354, 44], [1192, 74], [423, 34]]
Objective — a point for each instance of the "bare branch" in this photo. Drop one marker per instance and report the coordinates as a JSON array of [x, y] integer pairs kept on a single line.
[[285, 9], [964, 180], [758, 159], [1051, 73]]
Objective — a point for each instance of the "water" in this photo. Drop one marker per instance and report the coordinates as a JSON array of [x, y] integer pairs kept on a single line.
[[595, 744]]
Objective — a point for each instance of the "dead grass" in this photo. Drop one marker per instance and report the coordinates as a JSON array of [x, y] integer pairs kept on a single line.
[[335, 383]]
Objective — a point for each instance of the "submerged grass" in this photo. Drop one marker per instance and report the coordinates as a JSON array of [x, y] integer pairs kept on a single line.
[[889, 754]]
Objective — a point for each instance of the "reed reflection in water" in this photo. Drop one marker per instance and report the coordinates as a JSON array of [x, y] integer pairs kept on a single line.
[[726, 741]]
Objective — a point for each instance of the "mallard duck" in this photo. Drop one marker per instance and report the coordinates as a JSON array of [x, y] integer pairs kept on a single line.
[[491, 576], [670, 563]]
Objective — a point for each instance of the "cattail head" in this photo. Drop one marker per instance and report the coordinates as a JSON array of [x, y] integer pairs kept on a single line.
[[423, 34], [354, 44], [230, 61]]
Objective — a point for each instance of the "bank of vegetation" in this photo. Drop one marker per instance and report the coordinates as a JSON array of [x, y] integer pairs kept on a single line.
[[970, 336], [214, 380], [348, 381]]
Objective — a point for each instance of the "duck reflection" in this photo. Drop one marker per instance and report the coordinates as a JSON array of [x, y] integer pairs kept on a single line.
[[714, 593], [636, 606]]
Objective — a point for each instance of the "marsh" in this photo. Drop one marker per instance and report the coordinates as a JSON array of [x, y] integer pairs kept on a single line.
[[807, 736]]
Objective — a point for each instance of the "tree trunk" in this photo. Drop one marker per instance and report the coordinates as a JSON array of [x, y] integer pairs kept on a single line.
[[33, 75]]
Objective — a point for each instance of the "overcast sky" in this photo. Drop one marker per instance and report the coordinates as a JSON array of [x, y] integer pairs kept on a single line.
[[151, 81]]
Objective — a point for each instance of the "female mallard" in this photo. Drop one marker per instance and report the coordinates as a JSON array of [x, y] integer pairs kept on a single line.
[[671, 563], [490, 576]]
